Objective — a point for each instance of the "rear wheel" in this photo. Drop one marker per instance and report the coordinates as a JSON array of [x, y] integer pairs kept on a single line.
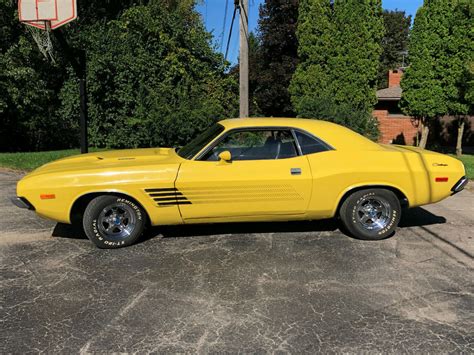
[[371, 214], [113, 221]]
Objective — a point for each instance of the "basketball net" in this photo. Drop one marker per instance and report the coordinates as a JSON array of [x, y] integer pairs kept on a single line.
[[43, 40]]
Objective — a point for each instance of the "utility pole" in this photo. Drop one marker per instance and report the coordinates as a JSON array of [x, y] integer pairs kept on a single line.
[[244, 58]]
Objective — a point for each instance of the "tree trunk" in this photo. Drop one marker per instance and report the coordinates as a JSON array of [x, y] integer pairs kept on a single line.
[[425, 130], [461, 123]]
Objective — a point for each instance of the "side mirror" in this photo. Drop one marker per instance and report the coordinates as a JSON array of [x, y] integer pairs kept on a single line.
[[225, 156]]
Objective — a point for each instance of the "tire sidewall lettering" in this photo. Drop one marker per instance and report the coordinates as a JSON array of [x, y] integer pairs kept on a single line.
[[133, 205], [393, 218], [92, 224]]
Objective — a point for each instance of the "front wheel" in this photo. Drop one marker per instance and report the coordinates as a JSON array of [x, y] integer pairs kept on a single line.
[[113, 221], [371, 214]]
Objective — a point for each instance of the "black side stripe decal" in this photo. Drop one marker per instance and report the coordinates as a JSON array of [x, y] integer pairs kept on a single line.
[[165, 194], [171, 199], [175, 203], [168, 197]]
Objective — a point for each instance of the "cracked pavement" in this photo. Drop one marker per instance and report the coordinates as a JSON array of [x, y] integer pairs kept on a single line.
[[250, 288]]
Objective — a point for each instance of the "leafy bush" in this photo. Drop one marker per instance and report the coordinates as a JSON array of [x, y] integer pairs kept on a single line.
[[154, 79], [326, 109]]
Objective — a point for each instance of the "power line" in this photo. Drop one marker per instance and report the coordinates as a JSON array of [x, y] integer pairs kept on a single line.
[[231, 27], [225, 22]]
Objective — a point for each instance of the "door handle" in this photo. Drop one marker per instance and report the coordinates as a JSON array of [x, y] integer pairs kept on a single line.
[[295, 171]]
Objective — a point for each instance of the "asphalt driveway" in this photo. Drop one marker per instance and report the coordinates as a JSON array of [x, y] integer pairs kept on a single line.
[[289, 287]]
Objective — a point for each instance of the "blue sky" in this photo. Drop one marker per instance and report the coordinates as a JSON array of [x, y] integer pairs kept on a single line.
[[213, 11]]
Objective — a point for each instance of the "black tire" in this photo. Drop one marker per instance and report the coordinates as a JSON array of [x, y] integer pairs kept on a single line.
[[371, 214], [113, 221]]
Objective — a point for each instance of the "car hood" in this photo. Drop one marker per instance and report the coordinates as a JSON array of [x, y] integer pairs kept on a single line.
[[111, 159]]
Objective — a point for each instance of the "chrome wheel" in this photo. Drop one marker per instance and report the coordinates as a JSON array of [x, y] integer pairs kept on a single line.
[[373, 213], [117, 221]]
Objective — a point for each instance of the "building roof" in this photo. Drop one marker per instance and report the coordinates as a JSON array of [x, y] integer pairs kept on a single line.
[[393, 93]]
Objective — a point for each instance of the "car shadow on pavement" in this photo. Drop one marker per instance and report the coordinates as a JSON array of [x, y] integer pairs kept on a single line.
[[418, 217], [410, 218], [71, 231], [192, 230]]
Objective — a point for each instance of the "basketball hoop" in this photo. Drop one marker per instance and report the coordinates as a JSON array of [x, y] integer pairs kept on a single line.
[[43, 16], [43, 40]]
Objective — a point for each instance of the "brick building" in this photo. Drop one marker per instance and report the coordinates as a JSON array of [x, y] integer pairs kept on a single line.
[[394, 126]]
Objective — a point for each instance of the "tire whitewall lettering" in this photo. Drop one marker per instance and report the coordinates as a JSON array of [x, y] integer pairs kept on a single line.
[[113, 222], [371, 214]]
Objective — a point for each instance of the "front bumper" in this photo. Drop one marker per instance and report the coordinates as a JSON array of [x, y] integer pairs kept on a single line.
[[460, 185], [22, 202]]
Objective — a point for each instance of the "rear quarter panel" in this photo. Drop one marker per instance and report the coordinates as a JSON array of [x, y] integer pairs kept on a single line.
[[436, 166], [410, 170], [337, 172]]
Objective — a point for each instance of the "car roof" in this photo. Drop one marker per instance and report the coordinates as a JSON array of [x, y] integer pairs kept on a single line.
[[335, 135]]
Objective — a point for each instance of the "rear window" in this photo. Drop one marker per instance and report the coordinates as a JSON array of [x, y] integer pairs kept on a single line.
[[310, 144]]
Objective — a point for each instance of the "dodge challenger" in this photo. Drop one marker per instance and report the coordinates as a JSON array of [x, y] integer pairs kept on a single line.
[[240, 170]]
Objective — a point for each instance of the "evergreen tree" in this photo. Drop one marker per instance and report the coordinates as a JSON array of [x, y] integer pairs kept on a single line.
[[277, 56], [339, 55], [359, 26], [425, 92], [459, 52], [316, 46], [394, 43]]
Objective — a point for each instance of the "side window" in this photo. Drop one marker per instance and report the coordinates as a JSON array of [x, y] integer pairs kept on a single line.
[[309, 144], [255, 145]]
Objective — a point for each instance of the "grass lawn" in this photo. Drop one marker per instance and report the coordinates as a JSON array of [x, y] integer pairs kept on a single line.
[[468, 161], [30, 161]]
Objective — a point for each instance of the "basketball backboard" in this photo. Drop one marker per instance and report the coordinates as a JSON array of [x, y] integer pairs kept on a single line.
[[41, 13]]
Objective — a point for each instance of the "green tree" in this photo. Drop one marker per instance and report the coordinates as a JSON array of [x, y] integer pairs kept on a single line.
[[394, 43], [437, 49], [339, 49], [423, 96], [468, 85], [30, 115], [28, 83], [455, 63], [314, 32], [154, 79], [255, 67], [277, 56]]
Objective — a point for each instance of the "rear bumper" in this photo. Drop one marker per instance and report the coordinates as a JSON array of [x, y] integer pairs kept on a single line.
[[460, 185], [22, 202]]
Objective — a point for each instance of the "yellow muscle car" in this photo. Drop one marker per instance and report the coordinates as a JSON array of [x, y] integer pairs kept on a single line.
[[264, 169]]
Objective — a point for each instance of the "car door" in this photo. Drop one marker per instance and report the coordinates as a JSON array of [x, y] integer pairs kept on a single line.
[[266, 176]]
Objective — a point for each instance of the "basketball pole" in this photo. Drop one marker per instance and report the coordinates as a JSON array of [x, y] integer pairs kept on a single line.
[[79, 65]]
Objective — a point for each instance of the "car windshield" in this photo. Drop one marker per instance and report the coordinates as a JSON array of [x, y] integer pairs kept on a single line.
[[193, 147]]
